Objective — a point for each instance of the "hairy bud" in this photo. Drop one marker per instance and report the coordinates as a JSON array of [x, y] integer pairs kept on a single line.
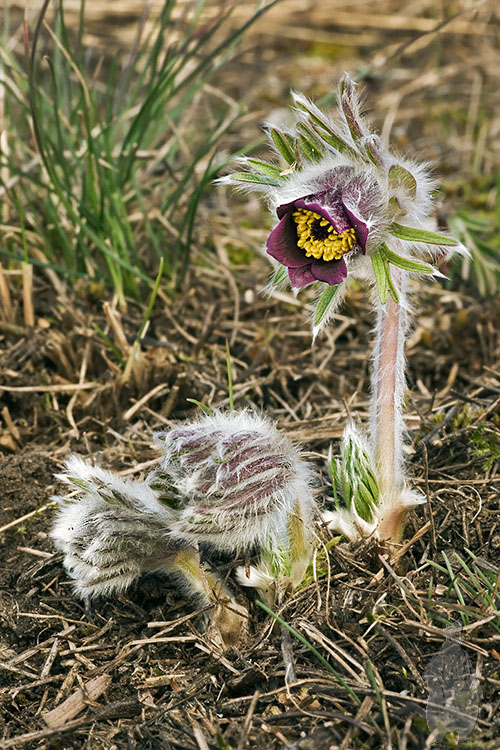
[[233, 479]]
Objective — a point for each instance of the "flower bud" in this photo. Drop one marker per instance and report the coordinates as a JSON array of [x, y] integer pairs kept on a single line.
[[233, 479], [112, 531]]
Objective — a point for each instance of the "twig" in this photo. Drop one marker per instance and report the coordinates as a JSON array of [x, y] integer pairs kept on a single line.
[[5, 298], [288, 658], [25, 518], [154, 392], [28, 309], [248, 721], [428, 496], [77, 702]]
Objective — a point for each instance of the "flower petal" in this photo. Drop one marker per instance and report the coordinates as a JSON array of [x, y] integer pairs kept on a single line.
[[300, 277], [282, 244], [362, 202], [329, 206], [331, 272]]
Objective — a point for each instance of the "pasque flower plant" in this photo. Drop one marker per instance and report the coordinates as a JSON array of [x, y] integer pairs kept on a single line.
[[237, 483], [112, 530], [348, 208], [229, 481]]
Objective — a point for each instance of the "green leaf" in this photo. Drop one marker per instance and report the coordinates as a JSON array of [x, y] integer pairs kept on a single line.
[[265, 168], [385, 284], [379, 270], [392, 289], [203, 407], [363, 503], [336, 142], [280, 275], [258, 178], [308, 148], [323, 129], [282, 143], [374, 148], [420, 235], [407, 264], [324, 303], [399, 175], [315, 118], [372, 485], [311, 136]]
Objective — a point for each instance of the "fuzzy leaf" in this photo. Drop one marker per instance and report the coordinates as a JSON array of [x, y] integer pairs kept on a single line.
[[392, 289], [374, 149], [279, 275], [408, 264], [303, 105], [335, 476], [251, 177], [308, 148], [399, 175], [324, 303], [322, 127], [420, 235], [336, 142], [380, 276], [347, 99], [265, 168], [385, 284], [311, 136], [283, 145], [363, 503], [372, 484]]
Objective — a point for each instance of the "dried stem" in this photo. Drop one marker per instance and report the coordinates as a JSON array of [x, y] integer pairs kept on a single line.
[[300, 545]]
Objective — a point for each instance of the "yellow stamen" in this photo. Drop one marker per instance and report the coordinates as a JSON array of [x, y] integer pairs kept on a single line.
[[331, 247]]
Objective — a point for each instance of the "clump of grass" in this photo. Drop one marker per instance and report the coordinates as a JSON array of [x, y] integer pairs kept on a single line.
[[475, 586], [481, 235], [104, 159]]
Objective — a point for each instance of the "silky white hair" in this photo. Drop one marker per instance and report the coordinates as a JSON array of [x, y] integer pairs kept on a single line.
[[239, 476], [112, 531]]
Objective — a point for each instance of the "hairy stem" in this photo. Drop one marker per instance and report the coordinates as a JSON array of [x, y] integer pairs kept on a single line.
[[388, 384]]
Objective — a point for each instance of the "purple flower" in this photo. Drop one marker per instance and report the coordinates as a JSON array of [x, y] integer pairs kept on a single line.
[[347, 207], [317, 231]]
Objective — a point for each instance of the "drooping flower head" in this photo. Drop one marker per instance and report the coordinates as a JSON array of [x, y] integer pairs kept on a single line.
[[346, 206], [232, 479], [112, 530]]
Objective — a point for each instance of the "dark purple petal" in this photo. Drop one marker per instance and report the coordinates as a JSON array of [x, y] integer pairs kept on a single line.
[[282, 244], [300, 277], [330, 208], [332, 272], [360, 227], [361, 198], [326, 204]]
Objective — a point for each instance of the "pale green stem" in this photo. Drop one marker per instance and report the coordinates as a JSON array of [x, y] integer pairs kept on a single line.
[[228, 616]]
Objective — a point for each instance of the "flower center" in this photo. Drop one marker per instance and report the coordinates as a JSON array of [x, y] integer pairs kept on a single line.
[[318, 238]]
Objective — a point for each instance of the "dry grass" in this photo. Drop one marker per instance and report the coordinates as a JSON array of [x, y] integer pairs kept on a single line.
[[378, 620]]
